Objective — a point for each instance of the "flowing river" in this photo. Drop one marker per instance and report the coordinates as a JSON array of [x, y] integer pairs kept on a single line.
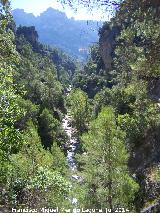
[[71, 145], [71, 148]]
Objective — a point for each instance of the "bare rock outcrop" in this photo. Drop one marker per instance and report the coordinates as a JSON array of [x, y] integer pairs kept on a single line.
[[107, 43]]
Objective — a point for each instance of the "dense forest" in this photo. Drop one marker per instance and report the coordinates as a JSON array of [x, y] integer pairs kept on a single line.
[[110, 159]]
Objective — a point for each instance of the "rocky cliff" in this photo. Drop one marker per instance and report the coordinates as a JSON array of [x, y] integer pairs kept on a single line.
[[107, 43]]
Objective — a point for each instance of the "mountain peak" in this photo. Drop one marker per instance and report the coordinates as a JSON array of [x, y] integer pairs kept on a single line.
[[20, 12], [53, 12], [56, 29]]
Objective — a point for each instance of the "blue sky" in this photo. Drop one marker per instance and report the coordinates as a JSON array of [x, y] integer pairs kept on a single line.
[[38, 6]]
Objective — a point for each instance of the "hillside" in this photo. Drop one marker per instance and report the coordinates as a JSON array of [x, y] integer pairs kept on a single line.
[[55, 29], [79, 136]]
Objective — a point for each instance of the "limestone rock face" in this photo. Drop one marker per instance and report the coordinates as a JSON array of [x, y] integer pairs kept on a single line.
[[29, 33], [107, 43], [143, 157], [146, 152]]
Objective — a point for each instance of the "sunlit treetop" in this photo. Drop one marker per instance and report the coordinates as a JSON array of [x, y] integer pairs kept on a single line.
[[91, 3], [4, 2], [105, 5], [112, 5]]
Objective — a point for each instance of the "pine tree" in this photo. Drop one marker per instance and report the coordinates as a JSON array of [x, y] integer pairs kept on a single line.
[[10, 137], [104, 164], [79, 109]]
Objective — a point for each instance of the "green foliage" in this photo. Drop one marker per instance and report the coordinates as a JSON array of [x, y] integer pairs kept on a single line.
[[30, 175], [10, 137], [45, 179], [38, 76], [136, 65], [34, 171], [119, 98], [59, 161], [31, 112], [137, 52], [133, 93], [93, 78], [79, 109], [64, 66], [30, 34], [155, 174], [101, 99], [104, 164], [49, 129], [104, 5], [135, 74], [34, 174], [144, 117]]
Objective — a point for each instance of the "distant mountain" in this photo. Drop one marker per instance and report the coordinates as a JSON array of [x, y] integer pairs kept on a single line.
[[54, 28]]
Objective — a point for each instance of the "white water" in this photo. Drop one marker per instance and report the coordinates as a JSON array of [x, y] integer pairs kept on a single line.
[[71, 147], [72, 143]]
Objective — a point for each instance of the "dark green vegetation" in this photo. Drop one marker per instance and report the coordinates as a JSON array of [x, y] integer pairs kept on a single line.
[[123, 73], [76, 34], [114, 106], [34, 170]]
